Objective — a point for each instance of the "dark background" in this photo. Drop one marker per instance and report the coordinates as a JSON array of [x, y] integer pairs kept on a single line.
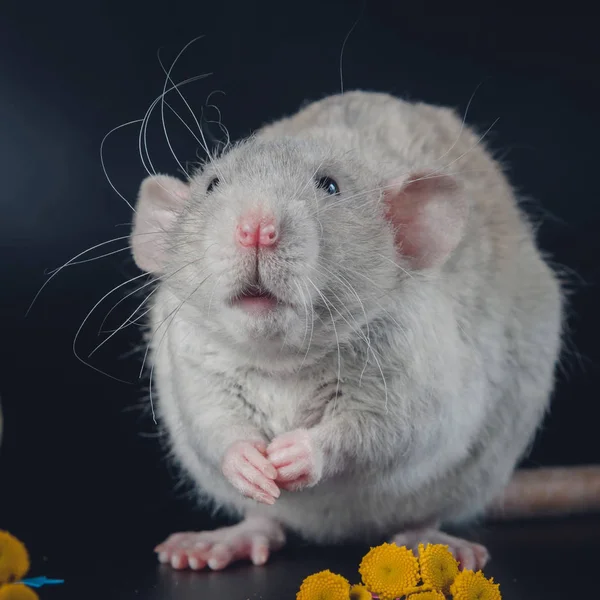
[[82, 472]]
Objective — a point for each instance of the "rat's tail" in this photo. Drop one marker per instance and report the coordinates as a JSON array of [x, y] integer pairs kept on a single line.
[[548, 492]]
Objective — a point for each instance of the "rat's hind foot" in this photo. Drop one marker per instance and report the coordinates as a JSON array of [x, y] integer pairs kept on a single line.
[[253, 539], [470, 555]]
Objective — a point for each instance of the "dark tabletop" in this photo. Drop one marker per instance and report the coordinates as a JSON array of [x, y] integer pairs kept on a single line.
[[84, 478], [552, 560]]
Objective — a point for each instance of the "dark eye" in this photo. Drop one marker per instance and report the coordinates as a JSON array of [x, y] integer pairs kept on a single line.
[[329, 185], [212, 185]]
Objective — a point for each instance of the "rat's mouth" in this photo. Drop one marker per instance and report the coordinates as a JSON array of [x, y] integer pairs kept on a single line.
[[255, 300]]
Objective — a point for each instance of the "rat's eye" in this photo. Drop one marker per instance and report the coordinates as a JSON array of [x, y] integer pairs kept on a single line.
[[212, 185], [329, 185]]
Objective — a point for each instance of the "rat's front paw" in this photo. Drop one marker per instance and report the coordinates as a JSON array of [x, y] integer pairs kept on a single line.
[[246, 468], [298, 462]]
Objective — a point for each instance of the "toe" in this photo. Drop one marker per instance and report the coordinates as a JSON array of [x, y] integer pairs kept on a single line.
[[220, 556], [466, 558], [198, 555], [196, 562], [482, 556], [259, 551], [179, 560]]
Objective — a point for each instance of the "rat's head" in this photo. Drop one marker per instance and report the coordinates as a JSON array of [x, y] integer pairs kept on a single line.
[[286, 248]]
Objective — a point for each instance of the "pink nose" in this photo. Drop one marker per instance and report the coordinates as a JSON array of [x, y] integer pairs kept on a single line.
[[253, 232]]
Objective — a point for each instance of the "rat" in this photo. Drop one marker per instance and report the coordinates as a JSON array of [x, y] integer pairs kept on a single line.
[[354, 335]]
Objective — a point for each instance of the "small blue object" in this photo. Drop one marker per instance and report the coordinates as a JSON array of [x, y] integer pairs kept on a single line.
[[38, 582]]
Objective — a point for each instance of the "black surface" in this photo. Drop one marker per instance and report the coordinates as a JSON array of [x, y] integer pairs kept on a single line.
[[84, 480]]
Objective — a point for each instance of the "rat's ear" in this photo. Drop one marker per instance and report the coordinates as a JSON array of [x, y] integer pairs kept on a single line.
[[161, 198], [429, 214]]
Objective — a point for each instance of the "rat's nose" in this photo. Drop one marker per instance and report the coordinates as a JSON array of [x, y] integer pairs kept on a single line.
[[257, 232]]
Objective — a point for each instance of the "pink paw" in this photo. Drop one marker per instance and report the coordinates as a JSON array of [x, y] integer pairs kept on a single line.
[[252, 539], [296, 459], [247, 469]]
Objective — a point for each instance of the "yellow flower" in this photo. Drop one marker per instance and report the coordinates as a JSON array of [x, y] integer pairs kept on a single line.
[[324, 585], [389, 570], [438, 567], [14, 559], [428, 595], [17, 591], [360, 592], [469, 585]]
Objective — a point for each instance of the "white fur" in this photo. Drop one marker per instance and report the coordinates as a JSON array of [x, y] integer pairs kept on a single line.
[[445, 372]]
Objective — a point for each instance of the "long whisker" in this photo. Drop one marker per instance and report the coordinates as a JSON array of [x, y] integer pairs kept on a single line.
[[306, 328], [297, 194], [74, 346], [162, 104], [143, 134], [383, 292], [154, 280], [185, 124], [124, 324], [168, 78], [353, 291], [112, 185], [344, 46], [219, 122], [73, 261], [337, 339], [366, 337], [69, 262], [463, 123], [88, 260], [312, 325]]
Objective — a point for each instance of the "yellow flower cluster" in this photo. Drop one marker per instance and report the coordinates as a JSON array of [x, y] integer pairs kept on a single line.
[[390, 572], [14, 565]]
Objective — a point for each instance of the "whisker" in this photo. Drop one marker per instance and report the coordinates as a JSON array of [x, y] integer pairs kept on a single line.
[[344, 46], [382, 292], [219, 122], [124, 324], [112, 185], [464, 121], [88, 260], [305, 314], [367, 337], [125, 298], [297, 194], [337, 339], [312, 326], [69, 262], [352, 290], [168, 78], [143, 134], [74, 346], [162, 104]]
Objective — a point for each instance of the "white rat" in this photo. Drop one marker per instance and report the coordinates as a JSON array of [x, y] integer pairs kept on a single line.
[[354, 335]]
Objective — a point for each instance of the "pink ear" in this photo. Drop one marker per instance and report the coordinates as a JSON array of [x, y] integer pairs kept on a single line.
[[160, 200], [429, 214]]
